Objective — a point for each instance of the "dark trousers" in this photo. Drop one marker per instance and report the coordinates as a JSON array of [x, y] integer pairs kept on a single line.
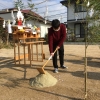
[[61, 56]]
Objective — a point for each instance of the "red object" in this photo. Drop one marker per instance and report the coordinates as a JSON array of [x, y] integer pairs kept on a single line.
[[20, 22]]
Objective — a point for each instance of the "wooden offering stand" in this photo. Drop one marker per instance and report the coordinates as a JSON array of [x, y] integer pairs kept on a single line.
[[25, 38]]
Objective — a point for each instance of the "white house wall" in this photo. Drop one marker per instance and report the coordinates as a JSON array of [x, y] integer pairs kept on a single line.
[[73, 16], [70, 11], [7, 16], [44, 30], [43, 27]]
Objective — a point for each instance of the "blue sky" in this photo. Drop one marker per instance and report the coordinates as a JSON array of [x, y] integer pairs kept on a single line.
[[55, 8]]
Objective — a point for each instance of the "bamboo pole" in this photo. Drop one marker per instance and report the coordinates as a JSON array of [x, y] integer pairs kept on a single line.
[[85, 65]]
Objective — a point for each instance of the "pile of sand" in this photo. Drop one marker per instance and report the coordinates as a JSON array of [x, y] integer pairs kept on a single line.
[[43, 80]]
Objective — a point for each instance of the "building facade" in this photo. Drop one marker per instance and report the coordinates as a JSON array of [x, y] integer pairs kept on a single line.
[[76, 14]]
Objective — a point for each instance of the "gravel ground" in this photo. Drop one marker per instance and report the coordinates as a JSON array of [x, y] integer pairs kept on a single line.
[[14, 79]]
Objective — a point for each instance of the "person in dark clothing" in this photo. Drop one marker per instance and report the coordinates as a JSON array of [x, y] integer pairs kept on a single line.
[[56, 37]]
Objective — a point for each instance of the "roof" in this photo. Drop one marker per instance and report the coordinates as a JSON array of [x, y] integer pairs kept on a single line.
[[32, 13], [66, 2], [23, 11], [26, 13]]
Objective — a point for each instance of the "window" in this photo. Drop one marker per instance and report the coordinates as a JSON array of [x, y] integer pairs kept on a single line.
[[80, 30], [79, 7]]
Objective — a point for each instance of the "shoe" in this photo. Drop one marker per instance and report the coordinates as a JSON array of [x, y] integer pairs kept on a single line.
[[56, 70], [63, 66]]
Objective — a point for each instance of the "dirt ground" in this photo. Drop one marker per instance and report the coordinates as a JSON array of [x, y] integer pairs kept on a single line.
[[14, 79]]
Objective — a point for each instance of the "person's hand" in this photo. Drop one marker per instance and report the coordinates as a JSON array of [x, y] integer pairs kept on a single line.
[[52, 54], [58, 47]]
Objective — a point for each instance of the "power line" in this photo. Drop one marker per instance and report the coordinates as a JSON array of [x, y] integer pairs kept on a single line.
[[51, 11], [41, 2], [60, 17], [3, 5], [56, 14], [49, 5]]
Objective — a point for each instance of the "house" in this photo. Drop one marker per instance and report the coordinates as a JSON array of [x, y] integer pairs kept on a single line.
[[76, 15], [30, 18]]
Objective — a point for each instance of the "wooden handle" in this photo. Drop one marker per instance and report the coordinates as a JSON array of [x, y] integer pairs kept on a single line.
[[49, 58]]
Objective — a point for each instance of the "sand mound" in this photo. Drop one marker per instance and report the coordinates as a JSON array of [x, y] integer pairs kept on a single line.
[[43, 80]]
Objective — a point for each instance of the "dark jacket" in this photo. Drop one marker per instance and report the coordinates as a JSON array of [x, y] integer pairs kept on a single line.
[[56, 37]]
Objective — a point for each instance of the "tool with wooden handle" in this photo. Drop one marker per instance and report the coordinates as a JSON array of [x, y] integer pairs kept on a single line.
[[41, 70]]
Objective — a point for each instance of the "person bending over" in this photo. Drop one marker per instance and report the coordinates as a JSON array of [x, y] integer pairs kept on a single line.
[[56, 37]]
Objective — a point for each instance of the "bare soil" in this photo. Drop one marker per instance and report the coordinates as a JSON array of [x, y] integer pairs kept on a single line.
[[14, 79]]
